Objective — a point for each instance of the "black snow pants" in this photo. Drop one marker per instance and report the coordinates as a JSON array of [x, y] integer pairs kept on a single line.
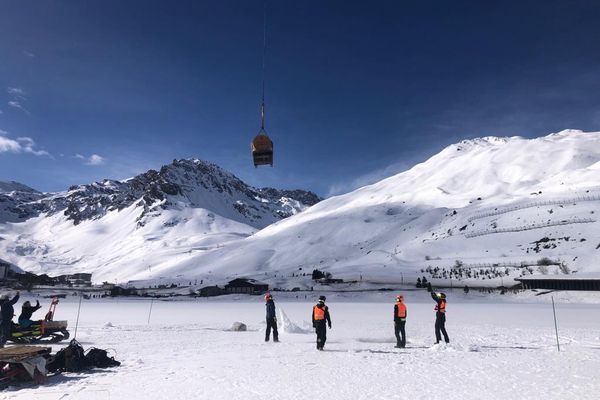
[[5, 332], [400, 333], [271, 323], [321, 329], [440, 327]]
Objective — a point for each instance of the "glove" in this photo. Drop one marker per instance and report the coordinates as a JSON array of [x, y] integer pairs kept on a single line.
[[37, 303], [329, 326]]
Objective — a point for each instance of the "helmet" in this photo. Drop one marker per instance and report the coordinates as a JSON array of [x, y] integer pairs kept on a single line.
[[322, 299], [26, 304], [399, 298], [442, 295], [268, 297]]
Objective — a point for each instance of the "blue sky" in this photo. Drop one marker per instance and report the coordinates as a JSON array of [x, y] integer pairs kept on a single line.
[[356, 91]]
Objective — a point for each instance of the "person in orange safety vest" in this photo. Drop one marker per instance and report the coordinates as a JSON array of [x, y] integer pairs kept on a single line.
[[400, 322], [320, 317], [440, 317]]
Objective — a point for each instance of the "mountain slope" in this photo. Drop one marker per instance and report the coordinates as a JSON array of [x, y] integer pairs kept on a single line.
[[483, 202], [115, 228]]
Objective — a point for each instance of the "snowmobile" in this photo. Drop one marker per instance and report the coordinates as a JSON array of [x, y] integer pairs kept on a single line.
[[43, 331]]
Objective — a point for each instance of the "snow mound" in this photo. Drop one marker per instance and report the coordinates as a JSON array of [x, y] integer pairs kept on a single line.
[[238, 327], [288, 326]]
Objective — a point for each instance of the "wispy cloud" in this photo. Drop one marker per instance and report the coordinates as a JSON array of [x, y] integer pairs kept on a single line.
[[28, 54], [19, 145], [28, 146], [18, 92], [17, 98], [93, 160], [9, 145], [366, 179]]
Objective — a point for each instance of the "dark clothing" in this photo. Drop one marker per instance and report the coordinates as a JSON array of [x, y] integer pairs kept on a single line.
[[321, 330], [27, 312], [440, 326], [271, 321], [400, 333], [7, 311], [399, 325], [270, 309], [320, 325], [440, 319], [6, 308]]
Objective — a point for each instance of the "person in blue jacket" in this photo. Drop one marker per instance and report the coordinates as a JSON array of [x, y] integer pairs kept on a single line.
[[271, 319]]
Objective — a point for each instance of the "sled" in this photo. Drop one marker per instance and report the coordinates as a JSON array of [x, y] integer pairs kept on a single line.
[[23, 363], [44, 331]]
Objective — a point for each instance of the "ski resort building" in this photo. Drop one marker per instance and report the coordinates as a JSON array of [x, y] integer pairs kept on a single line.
[[558, 282], [246, 286]]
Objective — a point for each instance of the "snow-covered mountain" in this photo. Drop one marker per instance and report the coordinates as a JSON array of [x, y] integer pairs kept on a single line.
[[488, 209], [186, 206]]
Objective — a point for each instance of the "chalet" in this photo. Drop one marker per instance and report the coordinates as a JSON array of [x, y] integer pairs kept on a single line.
[[246, 286], [209, 291], [8, 271]]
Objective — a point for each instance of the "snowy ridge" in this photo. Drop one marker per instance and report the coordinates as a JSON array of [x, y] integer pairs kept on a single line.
[[186, 207], [431, 214], [533, 199]]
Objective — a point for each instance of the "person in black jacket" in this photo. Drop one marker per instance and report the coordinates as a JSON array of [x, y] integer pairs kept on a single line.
[[271, 319], [440, 316], [320, 316], [27, 311], [7, 312]]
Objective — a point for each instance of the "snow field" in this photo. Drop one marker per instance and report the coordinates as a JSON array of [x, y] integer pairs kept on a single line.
[[499, 350]]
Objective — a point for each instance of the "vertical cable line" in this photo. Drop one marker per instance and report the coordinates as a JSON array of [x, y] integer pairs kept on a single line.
[[262, 107]]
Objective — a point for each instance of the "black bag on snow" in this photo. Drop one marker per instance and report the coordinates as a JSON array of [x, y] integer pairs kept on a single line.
[[70, 359], [99, 358]]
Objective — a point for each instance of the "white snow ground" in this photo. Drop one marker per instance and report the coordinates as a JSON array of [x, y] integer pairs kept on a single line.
[[502, 347]]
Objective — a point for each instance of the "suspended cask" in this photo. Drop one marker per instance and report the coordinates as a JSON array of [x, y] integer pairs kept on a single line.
[[262, 149]]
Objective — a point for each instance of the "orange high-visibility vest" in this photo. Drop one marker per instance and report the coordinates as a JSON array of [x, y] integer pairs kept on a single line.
[[401, 310], [319, 313], [442, 307]]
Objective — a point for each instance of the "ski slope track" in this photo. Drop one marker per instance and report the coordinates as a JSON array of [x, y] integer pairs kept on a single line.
[[482, 202]]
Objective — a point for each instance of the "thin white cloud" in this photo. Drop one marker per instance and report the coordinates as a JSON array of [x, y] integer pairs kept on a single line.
[[93, 160], [17, 104], [20, 145], [28, 54], [28, 146], [366, 179], [16, 91], [17, 98]]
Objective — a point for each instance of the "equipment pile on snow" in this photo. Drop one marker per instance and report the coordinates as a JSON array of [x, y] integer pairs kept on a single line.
[[23, 363], [74, 359], [32, 363]]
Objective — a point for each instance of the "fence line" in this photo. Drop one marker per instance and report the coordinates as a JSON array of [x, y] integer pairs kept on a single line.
[[504, 210], [522, 264], [529, 227]]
